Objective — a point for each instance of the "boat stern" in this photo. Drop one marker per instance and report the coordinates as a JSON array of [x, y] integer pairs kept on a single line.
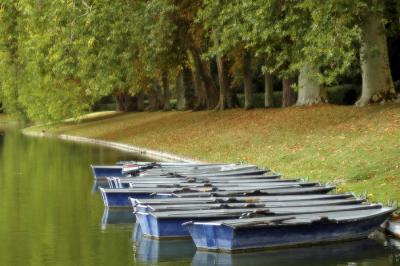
[[210, 236]]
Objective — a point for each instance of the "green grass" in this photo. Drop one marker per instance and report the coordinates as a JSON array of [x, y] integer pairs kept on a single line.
[[357, 149]]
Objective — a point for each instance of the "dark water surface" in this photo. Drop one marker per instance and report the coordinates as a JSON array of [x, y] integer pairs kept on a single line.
[[50, 216]]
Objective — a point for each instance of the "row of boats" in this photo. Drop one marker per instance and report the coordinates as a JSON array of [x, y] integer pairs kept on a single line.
[[231, 207]]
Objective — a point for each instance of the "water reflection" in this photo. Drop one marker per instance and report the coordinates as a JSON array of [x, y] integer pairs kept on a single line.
[[117, 216], [47, 214], [150, 251], [394, 243], [365, 252], [183, 252]]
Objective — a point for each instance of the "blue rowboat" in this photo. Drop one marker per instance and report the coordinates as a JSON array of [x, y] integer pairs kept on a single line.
[[295, 230], [125, 182], [100, 172], [134, 169], [248, 172], [119, 197], [225, 186], [251, 192], [169, 224], [260, 204], [251, 199], [192, 207], [168, 164]]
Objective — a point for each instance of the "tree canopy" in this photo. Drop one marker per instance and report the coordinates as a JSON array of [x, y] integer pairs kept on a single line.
[[58, 58]]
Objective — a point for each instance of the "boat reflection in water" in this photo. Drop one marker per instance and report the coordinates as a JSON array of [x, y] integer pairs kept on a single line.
[[367, 251], [117, 216], [394, 243], [150, 251], [97, 184], [377, 251]]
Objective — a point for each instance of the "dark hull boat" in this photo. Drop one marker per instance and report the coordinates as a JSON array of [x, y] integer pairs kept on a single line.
[[126, 182], [101, 172], [225, 186], [250, 199], [251, 192], [261, 204], [169, 224], [151, 170], [120, 197], [268, 232], [163, 169], [215, 174]]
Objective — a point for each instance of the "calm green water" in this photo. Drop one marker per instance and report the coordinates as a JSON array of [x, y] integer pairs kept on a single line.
[[50, 216]]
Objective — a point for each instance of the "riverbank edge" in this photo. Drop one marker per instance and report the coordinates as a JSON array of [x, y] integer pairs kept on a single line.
[[153, 154]]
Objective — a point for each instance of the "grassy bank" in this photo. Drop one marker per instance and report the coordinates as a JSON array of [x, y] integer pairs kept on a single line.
[[357, 149]]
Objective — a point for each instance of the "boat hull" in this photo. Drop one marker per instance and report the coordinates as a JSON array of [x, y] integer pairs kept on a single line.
[[173, 224], [115, 199], [101, 172], [216, 237], [165, 228]]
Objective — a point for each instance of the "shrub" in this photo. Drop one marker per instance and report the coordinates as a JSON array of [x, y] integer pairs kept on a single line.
[[345, 94], [397, 86]]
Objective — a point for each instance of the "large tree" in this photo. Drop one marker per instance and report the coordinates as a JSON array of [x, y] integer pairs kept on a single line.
[[377, 83], [344, 30], [10, 57]]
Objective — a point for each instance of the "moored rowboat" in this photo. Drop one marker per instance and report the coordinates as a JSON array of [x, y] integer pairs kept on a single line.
[[249, 199], [260, 204], [168, 224], [120, 197], [267, 232]]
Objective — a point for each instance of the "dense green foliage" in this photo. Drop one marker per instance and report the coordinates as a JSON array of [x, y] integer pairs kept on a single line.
[[57, 58]]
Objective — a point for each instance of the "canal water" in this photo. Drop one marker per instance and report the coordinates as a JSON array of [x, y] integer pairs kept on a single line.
[[51, 215]]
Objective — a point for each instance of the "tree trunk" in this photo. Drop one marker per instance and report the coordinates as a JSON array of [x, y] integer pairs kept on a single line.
[[180, 92], [140, 101], [309, 89], [125, 102], [188, 87], [154, 101], [166, 95], [159, 93], [377, 83], [269, 90], [225, 97], [201, 92], [131, 103], [288, 95], [119, 103], [247, 80], [223, 78], [232, 99], [208, 87]]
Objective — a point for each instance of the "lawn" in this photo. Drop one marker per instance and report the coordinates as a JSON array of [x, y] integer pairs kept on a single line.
[[357, 149]]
